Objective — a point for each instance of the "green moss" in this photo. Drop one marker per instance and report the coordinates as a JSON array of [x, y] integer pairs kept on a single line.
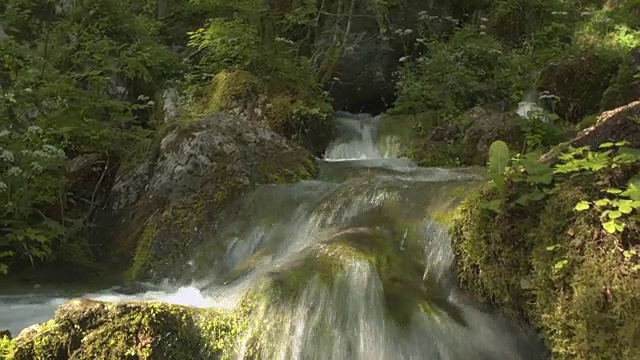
[[307, 122], [7, 348], [553, 267], [178, 223], [85, 329], [435, 154], [299, 114], [232, 90], [276, 173]]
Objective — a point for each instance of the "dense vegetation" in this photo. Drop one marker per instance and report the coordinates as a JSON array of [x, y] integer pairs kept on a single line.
[[82, 77], [87, 82]]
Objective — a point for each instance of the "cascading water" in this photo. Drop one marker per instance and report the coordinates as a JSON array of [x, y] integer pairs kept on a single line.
[[355, 264], [358, 139]]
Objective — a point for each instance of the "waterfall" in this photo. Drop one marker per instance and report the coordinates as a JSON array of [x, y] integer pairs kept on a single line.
[[358, 139], [361, 268]]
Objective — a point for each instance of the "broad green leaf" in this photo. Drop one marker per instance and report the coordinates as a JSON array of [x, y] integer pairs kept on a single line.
[[613, 214], [582, 205], [612, 191], [625, 208], [609, 226], [499, 157], [602, 202]]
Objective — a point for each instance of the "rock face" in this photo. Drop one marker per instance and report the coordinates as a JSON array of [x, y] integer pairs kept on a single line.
[[614, 125], [174, 198], [486, 127], [85, 329]]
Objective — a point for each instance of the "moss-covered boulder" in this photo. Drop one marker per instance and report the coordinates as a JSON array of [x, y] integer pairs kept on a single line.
[[619, 124], [625, 85], [555, 267], [579, 81], [485, 127], [175, 198], [297, 113], [86, 329]]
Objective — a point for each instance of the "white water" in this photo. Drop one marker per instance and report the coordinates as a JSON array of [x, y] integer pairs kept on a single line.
[[277, 225], [358, 139]]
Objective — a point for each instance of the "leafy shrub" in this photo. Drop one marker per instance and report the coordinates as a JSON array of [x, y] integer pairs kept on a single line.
[[30, 178], [471, 68]]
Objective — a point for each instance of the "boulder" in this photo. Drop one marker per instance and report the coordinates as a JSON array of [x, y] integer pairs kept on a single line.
[[625, 86], [579, 81], [86, 329], [174, 199], [297, 113], [486, 127], [614, 125]]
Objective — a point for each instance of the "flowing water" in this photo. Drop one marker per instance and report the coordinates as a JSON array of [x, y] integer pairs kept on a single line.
[[281, 228]]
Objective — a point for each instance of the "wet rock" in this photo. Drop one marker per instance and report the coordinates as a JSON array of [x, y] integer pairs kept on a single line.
[[86, 329], [174, 199], [486, 127], [170, 99], [615, 125]]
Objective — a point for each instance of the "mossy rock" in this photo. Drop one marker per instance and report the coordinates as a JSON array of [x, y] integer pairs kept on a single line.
[[394, 252], [235, 91], [579, 81], [555, 268], [625, 86], [175, 200], [86, 329], [484, 126], [299, 114]]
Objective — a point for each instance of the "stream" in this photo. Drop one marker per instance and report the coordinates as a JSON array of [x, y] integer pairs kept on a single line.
[[276, 225]]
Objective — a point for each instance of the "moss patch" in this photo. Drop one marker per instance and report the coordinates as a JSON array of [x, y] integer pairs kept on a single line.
[[299, 114], [7, 348], [85, 329], [554, 267], [413, 132]]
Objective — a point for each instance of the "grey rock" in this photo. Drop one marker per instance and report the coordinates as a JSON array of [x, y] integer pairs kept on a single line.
[[178, 194]]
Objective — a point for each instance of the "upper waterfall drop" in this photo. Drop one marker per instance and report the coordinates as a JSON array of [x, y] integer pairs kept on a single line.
[[358, 139]]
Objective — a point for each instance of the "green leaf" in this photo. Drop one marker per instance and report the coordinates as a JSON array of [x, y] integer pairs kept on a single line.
[[612, 191], [602, 202], [582, 205], [552, 247], [606, 145], [499, 157], [611, 226], [625, 208], [560, 264], [493, 205], [613, 214]]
